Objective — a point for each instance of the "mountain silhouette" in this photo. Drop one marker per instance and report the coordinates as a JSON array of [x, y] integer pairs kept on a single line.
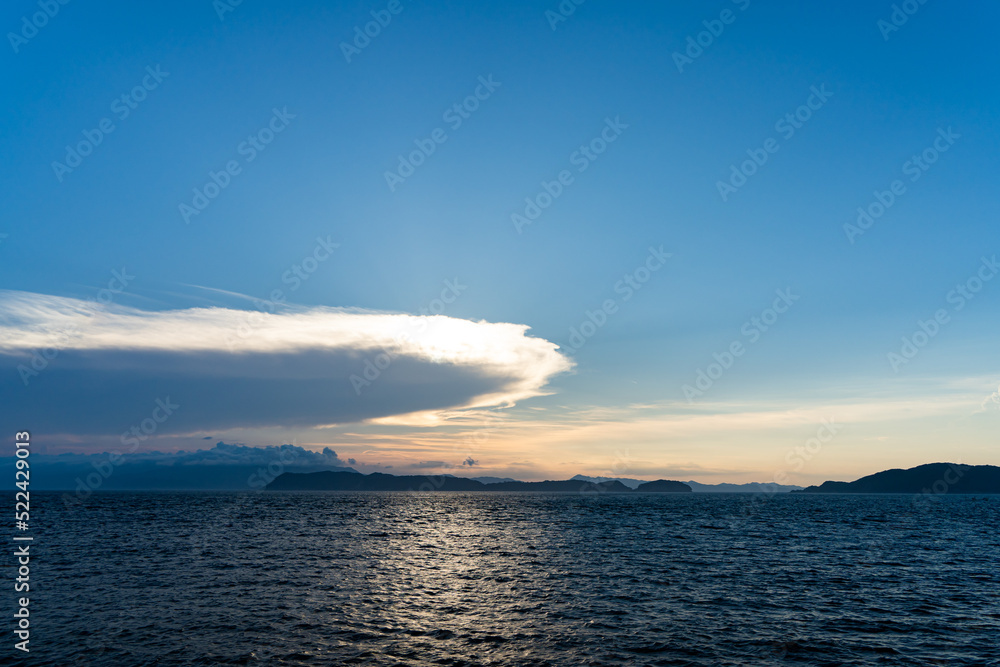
[[928, 478], [697, 487], [663, 486], [337, 480]]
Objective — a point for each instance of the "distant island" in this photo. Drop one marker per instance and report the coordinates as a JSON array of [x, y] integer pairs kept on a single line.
[[339, 480], [237, 467], [697, 487], [934, 478]]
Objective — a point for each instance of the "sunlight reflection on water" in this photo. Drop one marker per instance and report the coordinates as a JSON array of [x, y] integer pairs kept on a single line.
[[516, 579]]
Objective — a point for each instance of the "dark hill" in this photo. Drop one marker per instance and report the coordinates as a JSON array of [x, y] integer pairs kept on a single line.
[[352, 481], [664, 486], [564, 486], [928, 478]]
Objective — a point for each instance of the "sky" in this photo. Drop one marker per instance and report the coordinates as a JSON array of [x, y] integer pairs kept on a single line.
[[725, 241]]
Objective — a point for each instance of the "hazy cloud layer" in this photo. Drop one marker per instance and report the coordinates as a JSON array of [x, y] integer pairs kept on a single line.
[[235, 467], [73, 367], [222, 454]]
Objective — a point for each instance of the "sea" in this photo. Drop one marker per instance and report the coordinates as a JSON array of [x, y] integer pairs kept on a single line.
[[429, 579]]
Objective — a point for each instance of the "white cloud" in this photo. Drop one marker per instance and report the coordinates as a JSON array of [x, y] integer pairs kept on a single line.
[[72, 366]]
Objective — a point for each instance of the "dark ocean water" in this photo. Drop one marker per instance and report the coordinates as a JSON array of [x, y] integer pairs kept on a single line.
[[510, 579]]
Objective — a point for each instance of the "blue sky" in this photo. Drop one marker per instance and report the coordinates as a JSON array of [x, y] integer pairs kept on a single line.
[[345, 124]]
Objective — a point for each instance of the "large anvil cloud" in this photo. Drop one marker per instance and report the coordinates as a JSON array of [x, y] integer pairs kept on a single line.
[[75, 367]]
